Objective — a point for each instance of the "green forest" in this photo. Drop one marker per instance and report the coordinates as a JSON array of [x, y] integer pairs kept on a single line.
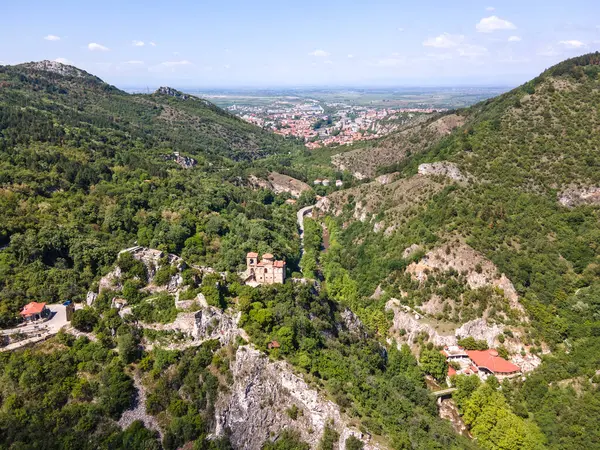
[[87, 170]]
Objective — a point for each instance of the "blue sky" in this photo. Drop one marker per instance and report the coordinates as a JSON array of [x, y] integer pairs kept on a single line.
[[236, 43]]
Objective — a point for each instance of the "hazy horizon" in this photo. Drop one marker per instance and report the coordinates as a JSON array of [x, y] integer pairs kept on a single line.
[[274, 44]]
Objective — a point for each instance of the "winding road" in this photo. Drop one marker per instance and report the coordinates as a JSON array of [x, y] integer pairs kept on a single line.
[[300, 217]]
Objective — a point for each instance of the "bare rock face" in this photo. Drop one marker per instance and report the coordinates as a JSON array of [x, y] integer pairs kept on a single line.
[[409, 251], [56, 67], [212, 323], [198, 302], [449, 411], [378, 293], [255, 408], [91, 298], [387, 178], [279, 183], [527, 362], [165, 90], [445, 169], [184, 161], [324, 205], [481, 331], [206, 324], [574, 196], [409, 321], [352, 323], [480, 271], [110, 281]]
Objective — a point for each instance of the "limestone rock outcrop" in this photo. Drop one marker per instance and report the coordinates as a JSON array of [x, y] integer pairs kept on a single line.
[[445, 169], [255, 408]]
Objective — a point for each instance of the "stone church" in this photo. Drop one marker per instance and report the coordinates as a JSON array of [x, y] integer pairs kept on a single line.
[[265, 271]]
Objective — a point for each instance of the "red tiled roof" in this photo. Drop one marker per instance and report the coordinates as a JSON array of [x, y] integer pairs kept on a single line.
[[490, 360], [33, 308], [451, 371], [279, 264], [252, 255], [268, 256]]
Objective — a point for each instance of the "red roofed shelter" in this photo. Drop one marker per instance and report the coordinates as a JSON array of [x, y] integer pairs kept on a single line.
[[34, 311], [488, 361]]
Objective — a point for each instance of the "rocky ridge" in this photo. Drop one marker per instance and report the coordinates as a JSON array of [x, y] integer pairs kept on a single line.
[[56, 67]]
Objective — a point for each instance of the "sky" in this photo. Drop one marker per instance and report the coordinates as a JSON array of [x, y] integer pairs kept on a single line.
[[281, 43]]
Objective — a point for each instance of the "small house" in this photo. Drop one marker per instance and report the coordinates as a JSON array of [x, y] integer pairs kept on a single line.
[[34, 311]]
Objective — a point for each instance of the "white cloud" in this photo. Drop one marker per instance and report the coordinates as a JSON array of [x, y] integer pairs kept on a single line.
[[97, 47], [400, 30], [328, 61], [52, 37], [445, 40], [350, 55], [153, 44], [184, 62], [494, 23], [138, 43], [490, 8], [572, 44], [134, 62], [227, 66], [63, 61], [514, 39], [320, 53]]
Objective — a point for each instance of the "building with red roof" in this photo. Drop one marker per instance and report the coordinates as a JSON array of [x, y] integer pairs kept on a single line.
[[489, 363], [266, 271], [478, 362], [34, 311]]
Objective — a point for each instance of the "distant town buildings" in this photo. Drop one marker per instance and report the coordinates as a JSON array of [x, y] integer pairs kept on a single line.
[[342, 125], [266, 271]]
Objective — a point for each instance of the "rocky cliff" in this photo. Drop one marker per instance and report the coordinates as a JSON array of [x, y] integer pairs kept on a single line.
[[256, 408]]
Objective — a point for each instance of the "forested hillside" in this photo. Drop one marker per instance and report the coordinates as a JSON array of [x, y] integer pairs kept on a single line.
[[87, 170], [523, 174], [494, 215]]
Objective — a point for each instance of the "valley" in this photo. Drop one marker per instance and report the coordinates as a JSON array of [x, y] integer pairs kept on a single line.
[[455, 256]]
